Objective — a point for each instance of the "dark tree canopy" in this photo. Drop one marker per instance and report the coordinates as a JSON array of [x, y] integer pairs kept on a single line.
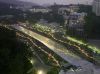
[[12, 58]]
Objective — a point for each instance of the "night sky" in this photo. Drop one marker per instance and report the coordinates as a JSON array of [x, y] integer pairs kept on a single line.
[[60, 1]]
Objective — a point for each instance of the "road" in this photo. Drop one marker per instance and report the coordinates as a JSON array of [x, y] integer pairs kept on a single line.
[[53, 45], [59, 49]]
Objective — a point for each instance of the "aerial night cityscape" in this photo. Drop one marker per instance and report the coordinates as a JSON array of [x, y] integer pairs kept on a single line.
[[49, 36]]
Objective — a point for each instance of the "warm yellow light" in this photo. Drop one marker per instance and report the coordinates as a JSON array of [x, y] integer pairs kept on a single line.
[[32, 61], [40, 72]]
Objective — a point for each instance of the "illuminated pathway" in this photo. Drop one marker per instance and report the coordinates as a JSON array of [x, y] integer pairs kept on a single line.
[[50, 55], [56, 47], [82, 50], [59, 49]]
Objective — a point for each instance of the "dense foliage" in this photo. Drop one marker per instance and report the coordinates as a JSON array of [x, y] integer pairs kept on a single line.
[[22, 16], [53, 71], [85, 8], [12, 56], [92, 25]]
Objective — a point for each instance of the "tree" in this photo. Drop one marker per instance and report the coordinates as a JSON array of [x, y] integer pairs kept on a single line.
[[92, 26], [12, 58], [53, 71]]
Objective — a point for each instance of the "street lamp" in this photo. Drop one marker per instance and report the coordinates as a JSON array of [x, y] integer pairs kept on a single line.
[[40, 72]]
